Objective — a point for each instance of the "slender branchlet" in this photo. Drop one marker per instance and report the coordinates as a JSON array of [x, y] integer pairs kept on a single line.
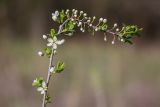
[[69, 21]]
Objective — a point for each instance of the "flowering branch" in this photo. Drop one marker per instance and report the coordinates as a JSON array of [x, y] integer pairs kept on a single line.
[[69, 21]]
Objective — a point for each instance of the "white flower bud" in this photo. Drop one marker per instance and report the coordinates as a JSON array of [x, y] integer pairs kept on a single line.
[[73, 10], [80, 23], [113, 42], [115, 25], [117, 30], [54, 17], [104, 20], [75, 15], [81, 29], [94, 17], [88, 21], [90, 25], [44, 37], [72, 19], [101, 19], [52, 69], [84, 14], [105, 38], [81, 12], [40, 53], [122, 40], [96, 29], [67, 11]]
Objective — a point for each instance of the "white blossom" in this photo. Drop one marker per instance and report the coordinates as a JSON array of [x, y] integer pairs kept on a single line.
[[43, 88], [54, 42], [55, 15]]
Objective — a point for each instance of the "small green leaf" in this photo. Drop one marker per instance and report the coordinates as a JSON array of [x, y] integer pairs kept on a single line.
[[62, 15], [47, 99], [69, 26], [52, 32], [60, 67], [48, 51], [38, 82], [103, 27]]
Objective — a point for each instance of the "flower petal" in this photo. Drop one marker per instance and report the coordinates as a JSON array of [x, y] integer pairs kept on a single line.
[[43, 91], [49, 44], [59, 42], [54, 46], [54, 38], [39, 89], [56, 13], [50, 40], [43, 84], [52, 69]]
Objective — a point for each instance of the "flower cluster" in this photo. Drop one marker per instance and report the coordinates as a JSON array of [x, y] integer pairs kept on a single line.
[[40, 84], [69, 21], [80, 19]]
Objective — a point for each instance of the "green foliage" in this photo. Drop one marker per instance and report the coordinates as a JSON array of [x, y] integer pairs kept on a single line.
[[128, 32], [69, 22], [60, 67], [47, 99], [62, 15], [103, 27], [52, 32], [48, 51], [38, 82]]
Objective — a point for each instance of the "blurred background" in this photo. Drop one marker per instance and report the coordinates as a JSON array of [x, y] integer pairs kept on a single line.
[[97, 74]]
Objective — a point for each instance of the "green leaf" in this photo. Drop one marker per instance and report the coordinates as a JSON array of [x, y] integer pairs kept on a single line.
[[69, 26], [62, 15], [60, 67], [52, 32], [38, 82], [103, 27], [47, 99], [48, 51]]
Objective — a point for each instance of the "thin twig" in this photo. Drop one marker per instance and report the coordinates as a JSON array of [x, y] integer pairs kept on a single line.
[[50, 65]]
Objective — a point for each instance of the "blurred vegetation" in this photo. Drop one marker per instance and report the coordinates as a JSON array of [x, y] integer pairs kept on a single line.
[[97, 74]]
